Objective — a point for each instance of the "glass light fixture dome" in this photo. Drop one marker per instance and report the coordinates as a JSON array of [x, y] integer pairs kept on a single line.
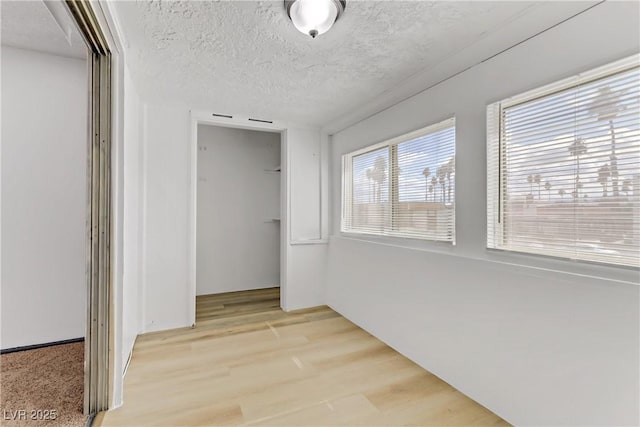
[[314, 17]]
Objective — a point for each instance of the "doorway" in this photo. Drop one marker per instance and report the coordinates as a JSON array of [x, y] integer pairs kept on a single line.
[[238, 216], [61, 204], [44, 213], [240, 164]]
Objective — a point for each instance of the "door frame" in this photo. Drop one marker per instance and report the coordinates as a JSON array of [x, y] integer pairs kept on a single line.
[[99, 201], [236, 122], [102, 383]]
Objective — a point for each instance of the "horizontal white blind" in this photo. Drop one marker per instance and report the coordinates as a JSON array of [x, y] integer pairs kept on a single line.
[[404, 187], [370, 202], [568, 171]]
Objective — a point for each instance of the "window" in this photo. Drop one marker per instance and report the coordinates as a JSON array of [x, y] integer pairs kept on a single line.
[[564, 168], [404, 187]]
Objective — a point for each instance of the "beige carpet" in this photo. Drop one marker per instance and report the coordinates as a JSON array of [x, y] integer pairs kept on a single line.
[[45, 379]]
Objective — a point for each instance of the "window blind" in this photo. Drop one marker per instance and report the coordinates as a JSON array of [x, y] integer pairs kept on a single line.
[[564, 168], [404, 187]]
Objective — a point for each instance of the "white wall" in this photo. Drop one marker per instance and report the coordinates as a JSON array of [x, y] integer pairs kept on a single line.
[[166, 239], [538, 341], [44, 146], [306, 213], [238, 241], [123, 116], [133, 216], [304, 185], [306, 275], [165, 263]]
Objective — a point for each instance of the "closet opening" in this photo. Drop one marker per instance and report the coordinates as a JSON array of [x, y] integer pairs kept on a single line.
[[238, 221], [57, 335]]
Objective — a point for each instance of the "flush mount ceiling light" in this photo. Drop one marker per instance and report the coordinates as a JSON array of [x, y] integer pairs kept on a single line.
[[314, 17]]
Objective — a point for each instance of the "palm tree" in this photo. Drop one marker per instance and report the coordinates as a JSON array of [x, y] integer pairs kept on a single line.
[[530, 181], [431, 190], [537, 178], [451, 165], [370, 178], [547, 186], [579, 187], [426, 172], [606, 106], [441, 172], [577, 149], [379, 174], [434, 182], [626, 186], [561, 192], [603, 178]]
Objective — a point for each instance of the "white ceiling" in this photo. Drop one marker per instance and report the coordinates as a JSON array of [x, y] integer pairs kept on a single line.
[[31, 25], [245, 57]]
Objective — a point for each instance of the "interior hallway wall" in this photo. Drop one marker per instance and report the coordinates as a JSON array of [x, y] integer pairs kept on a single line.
[[166, 263], [538, 341], [166, 201], [44, 146], [238, 218], [133, 216]]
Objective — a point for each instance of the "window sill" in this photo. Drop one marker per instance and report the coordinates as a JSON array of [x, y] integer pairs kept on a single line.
[[535, 264], [402, 242]]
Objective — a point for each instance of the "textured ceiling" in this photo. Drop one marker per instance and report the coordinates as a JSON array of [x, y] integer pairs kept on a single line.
[[245, 57], [30, 25]]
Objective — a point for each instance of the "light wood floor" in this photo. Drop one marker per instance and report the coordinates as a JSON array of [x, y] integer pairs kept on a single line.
[[248, 363], [237, 305]]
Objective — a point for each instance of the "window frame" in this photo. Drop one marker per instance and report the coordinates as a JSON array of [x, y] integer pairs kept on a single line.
[[347, 185], [497, 182]]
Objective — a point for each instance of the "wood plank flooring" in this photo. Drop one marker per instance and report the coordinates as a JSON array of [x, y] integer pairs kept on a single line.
[[249, 363], [237, 304]]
